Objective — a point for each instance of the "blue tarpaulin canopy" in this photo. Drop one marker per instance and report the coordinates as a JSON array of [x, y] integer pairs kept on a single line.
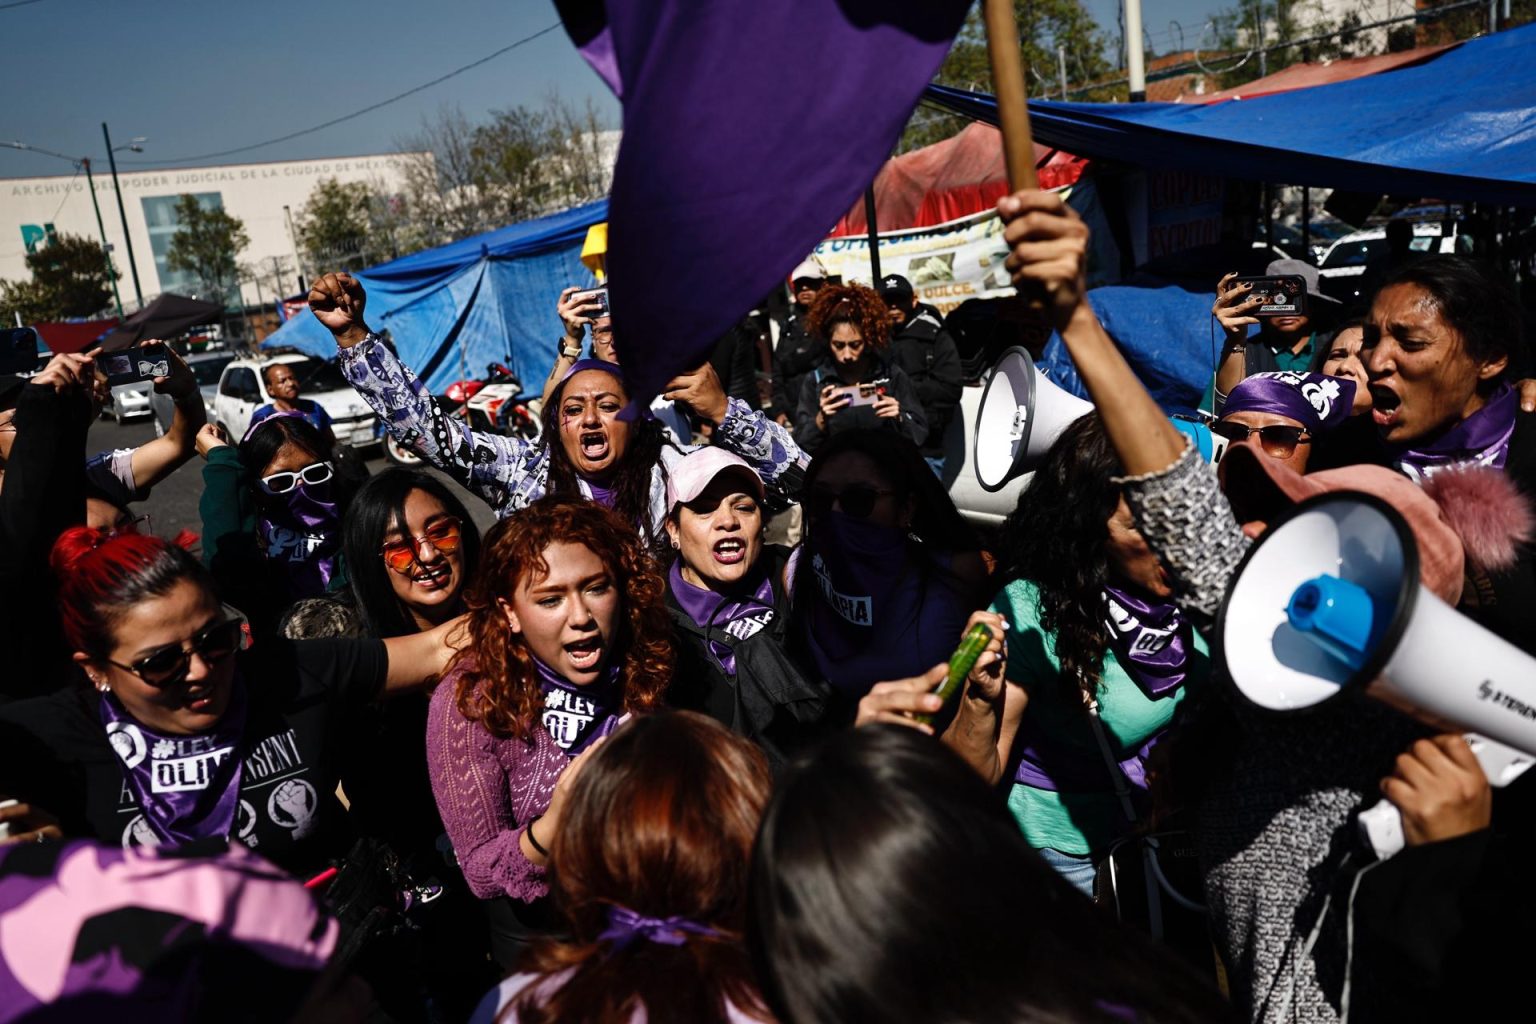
[[490, 298], [1461, 126]]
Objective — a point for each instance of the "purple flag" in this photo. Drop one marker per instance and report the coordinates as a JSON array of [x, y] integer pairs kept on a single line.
[[750, 127]]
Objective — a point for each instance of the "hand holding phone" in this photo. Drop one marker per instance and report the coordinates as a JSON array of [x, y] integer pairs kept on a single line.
[[1281, 296], [863, 394], [592, 297], [131, 365]]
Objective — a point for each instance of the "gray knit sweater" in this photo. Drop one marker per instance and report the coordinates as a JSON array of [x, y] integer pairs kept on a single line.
[[1276, 830]]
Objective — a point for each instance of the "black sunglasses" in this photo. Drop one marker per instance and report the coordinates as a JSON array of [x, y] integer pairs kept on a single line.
[[808, 284], [856, 500], [1279, 441], [170, 665]]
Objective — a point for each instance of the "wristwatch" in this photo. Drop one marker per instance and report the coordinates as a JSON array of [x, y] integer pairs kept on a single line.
[[569, 350]]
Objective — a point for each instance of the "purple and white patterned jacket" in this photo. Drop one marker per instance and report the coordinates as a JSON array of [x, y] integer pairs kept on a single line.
[[510, 473]]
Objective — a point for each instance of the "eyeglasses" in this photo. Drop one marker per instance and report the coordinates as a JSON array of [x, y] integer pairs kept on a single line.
[[443, 534], [856, 500], [808, 284], [1279, 441], [170, 665], [282, 483]]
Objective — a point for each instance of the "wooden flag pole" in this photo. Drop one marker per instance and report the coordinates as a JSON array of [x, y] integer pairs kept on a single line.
[[1008, 86]]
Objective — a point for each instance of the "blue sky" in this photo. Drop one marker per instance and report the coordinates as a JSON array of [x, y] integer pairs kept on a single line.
[[200, 77]]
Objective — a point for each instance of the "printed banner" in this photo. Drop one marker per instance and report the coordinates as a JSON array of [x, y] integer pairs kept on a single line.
[[947, 264]]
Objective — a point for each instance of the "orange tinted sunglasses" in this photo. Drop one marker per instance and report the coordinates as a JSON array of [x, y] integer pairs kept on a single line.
[[443, 534]]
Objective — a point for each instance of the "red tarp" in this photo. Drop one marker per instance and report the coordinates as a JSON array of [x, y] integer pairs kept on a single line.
[[949, 180], [73, 337], [1304, 76]]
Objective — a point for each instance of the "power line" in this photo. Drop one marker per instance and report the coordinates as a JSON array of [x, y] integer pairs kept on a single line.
[[346, 117], [67, 190]]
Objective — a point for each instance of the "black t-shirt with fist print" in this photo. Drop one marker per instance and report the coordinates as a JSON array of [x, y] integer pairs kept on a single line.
[[55, 755]]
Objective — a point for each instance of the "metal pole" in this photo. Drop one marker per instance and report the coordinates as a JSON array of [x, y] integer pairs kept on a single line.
[[298, 264], [1135, 59], [138, 292], [1306, 223], [874, 234], [106, 247], [1061, 69], [1493, 16], [1258, 32]]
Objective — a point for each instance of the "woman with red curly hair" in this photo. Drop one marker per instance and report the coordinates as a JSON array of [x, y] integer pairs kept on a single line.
[[569, 635], [857, 386]]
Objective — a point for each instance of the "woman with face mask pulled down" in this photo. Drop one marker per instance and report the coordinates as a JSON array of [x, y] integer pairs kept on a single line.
[[588, 449], [729, 602], [272, 512], [569, 635]]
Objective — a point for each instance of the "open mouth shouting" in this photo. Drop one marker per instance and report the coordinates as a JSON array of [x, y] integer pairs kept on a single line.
[[1386, 406], [585, 655], [730, 551], [594, 445]]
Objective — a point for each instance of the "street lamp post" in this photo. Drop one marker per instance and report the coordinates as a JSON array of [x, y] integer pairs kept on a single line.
[[138, 292]]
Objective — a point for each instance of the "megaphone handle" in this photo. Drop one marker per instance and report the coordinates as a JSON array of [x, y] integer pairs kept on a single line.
[[1382, 827]]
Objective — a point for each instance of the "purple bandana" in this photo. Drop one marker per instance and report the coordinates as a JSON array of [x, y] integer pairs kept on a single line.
[[1315, 401], [575, 716], [739, 618], [187, 786], [625, 926], [1151, 639], [1481, 439], [303, 536]]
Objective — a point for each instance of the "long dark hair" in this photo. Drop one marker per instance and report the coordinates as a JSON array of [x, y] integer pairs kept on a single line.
[[1056, 539], [889, 883], [378, 508], [631, 476], [661, 821]]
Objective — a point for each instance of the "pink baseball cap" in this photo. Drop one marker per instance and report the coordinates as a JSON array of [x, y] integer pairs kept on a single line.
[[687, 479]]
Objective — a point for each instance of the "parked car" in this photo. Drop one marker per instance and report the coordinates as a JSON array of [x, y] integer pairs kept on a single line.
[[130, 401], [207, 367], [243, 389], [1344, 267]]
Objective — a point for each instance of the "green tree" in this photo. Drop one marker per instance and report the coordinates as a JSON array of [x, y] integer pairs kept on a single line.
[[70, 278], [1043, 25], [333, 225], [208, 244]]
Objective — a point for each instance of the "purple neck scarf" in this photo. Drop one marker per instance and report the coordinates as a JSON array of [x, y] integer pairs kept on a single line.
[[1151, 638], [1481, 439], [1317, 402], [187, 786], [575, 716], [303, 536], [741, 618], [625, 926]]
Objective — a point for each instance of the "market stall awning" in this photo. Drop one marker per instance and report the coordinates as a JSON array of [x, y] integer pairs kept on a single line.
[[1459, 126], [1307, 76]]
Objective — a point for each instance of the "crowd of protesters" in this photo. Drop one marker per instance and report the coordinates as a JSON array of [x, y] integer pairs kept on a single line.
[[621, 758]]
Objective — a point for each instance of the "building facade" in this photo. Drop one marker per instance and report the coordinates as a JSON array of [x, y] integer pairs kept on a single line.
[[261, 195]]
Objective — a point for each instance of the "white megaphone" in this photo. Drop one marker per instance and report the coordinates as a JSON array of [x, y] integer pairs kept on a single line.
[[1329, 600], [1022, 414]]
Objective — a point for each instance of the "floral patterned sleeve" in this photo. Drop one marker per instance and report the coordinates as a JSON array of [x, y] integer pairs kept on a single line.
[[768, 447], [1186, 520], [507, 472]]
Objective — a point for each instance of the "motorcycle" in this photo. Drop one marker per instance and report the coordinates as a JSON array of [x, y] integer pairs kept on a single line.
[[495, 404]]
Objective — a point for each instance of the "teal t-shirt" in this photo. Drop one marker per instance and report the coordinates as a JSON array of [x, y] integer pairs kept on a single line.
[[1086, 817]]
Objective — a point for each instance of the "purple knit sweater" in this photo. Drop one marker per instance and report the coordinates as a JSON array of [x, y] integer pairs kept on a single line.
[[488, 789]]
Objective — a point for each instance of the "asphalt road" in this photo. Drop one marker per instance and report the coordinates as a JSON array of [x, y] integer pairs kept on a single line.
[[172, 506]]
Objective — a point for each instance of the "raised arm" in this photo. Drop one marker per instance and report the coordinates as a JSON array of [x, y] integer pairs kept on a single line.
[[502, 470], [155, 460], [768, 447]]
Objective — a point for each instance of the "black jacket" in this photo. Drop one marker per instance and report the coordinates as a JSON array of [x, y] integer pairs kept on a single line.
[[44, 494], [795, 356], [927, 354], [768, 700], [912, 424]]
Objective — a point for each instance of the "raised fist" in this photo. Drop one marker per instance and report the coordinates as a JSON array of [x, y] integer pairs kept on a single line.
[[337, 301]]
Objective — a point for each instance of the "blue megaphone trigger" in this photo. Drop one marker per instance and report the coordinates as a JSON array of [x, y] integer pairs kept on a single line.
[[1338, 616]]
